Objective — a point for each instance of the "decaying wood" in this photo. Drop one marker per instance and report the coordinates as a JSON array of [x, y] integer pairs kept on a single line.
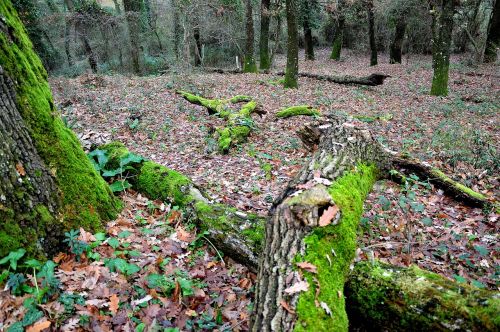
[[370, 80]]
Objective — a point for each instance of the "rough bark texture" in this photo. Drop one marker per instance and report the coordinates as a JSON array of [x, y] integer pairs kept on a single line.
[[372, 80], [371, 33], [265, 20], [442, 27], [197, 45], [249, 65], [387, 298], [293, 231], [493, 41], [292, 54], [132, 11], [483, 19], [397, 42], [73, 195]]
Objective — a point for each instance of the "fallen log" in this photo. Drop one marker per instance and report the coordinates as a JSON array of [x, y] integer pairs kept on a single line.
[[381, 297], [239, 123], [370, 80], [298, 110], [238, 234]]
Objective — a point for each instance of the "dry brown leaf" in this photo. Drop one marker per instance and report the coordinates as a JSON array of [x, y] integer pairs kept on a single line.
[[38, 327], [329, 215], [20, 169], [114, 301], [184, 235], [287, 307], [301, 286], [308, 267]]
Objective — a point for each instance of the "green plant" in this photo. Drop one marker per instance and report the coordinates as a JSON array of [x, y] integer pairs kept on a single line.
[[76, 246], [121, 265]]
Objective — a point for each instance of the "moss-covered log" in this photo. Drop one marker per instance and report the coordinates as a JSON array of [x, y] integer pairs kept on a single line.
[[298, 110], [386, 298], [47, 185], [239, 123], [237, 234]]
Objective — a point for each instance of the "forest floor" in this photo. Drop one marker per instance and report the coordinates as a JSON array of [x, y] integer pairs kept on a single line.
[[402, 225]]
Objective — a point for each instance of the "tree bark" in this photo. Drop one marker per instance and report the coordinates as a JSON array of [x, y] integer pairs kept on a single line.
[[265, 20], [371, 34], [87, 48], [197, 44], [292, 55], [493, 41], [442, 27], [308, 40], [132, 10], [397, 42], [338, 36], [48, 186], [483, 19], [249, 65]]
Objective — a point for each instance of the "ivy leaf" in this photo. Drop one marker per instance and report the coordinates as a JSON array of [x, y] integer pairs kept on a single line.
[[482, 250], [124, 234], [384, 202], [186, 286], [102, 158], [131, 158], [459, 279], [112, 172], [113, 242], [427, 221], [120, 185], [13, 257]]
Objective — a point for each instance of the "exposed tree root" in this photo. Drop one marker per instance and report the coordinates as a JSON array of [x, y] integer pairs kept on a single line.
[[238, 234], [239, 124], [298, 110]]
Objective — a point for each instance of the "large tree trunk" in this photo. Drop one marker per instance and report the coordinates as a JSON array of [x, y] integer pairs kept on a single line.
[[292, 55], [338, 36], [483, 19], [133, 10], [47, 184], [249, 65], [265, 20], [371, 34], [442, 27], [493, 41], [198, 59], [397, 43]]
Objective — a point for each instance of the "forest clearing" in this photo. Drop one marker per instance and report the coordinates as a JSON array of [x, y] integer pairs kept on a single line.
[[200, 196]]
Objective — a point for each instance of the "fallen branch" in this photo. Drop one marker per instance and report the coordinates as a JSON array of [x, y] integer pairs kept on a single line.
[[298, 110], [381, 297], [239, 124]]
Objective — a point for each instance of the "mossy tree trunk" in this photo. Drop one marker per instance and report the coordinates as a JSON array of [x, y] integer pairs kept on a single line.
[[338, 34], [132, 10], [250, 65], [198, 58], [308, 40], [292, 55], [265, 21], [371, 33], [47, 184], [493, 41], [483, 20], [337, 178], [442, 27], [397, 43]]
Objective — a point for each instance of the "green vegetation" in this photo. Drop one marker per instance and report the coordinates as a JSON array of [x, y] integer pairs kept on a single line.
[[298, 110]]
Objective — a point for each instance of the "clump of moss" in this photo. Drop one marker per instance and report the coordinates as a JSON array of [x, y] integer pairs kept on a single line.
[[339, 243], [298, 110], [159, 182], [86, 200], [460, 187]]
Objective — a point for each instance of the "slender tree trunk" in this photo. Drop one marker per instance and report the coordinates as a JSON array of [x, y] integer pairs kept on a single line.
[[292, 56], [308, 40], [197, 45], [265, 20], [371, 33], [397, 42], [132, 10], [276, 39], [89, 52], [493, 41], [249, 65], [338, 36], [442, 27], [47, 184], [67, 38], [177, 29]]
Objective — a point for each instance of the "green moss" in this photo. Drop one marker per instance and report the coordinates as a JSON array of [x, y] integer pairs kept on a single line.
[[298, 110], [159, 182], [337, 47], [115, 151], [394, 298], [224, 140], [85, 197], [250, 66], [240, 99], [348, 193], [438, 174]]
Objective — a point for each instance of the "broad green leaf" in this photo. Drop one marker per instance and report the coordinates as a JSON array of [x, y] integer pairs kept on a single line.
[[113, 242], [13, 257], [481, 250], [120, 185]]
